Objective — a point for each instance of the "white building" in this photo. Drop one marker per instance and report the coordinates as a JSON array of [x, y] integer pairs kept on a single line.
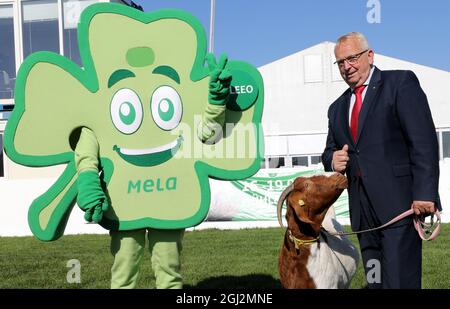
[[299, 89]]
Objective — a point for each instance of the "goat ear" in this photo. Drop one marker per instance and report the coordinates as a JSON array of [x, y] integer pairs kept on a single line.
[[298, 203]]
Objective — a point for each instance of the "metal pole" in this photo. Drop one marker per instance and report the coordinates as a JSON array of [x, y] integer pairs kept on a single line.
[[211, 27]]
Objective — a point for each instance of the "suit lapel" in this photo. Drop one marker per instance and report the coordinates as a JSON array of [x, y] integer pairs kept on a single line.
[[371, 93]]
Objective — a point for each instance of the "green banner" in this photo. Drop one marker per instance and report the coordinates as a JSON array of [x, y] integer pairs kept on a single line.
[[255, 198]]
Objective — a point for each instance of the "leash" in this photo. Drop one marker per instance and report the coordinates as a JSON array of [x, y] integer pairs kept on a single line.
[[424, 229]]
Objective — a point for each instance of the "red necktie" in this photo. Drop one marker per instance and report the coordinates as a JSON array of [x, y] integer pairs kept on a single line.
[[355, 112]]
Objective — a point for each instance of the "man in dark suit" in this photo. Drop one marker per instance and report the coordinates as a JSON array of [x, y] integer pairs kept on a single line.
[[381, 134]]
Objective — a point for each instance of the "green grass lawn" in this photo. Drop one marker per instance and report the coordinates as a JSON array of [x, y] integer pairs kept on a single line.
[[211, 259]]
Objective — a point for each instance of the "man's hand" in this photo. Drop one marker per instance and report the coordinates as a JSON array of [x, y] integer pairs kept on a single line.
[[423, 207], [340, 159], [219, 80]]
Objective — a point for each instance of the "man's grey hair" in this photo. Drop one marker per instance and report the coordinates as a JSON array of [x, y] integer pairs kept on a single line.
[[363, 43]]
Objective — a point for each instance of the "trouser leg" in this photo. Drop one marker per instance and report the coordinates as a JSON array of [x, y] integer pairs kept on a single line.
[[402, 257], [127, 247], [165, 247], [395, 250], [371, 259], [370, 242]]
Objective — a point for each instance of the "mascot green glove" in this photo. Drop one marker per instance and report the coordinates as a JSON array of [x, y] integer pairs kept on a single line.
[[91, 197], [220, 80], [150, 99]]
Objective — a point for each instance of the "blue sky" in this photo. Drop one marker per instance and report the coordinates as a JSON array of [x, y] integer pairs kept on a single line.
[[262, 31]]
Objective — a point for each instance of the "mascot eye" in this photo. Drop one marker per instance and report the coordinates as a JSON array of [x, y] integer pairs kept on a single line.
[[166, 107], [126, 111]]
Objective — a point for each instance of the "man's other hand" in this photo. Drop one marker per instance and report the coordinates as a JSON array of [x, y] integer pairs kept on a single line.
[[423, 207]]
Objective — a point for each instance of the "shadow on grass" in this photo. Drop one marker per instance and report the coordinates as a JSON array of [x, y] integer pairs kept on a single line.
[[255, 281]]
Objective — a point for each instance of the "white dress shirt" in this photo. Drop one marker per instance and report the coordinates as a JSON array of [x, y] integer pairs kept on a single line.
[[353, 97]]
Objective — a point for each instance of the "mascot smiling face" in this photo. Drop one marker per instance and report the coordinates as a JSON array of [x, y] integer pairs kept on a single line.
[[142, 89]]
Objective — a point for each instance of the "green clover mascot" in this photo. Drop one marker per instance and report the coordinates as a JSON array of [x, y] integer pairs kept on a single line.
[[141, 127]]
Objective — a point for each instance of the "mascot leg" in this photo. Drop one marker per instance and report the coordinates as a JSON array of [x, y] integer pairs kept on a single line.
[[165, 247], [127, 247]]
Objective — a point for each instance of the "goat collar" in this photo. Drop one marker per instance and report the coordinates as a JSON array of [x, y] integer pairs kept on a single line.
[[301, 242]]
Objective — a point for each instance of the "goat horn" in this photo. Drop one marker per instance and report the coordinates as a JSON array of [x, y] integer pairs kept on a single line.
[[283, 196]]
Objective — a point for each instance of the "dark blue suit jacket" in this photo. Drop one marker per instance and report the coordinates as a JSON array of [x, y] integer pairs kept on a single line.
[[396, 151]]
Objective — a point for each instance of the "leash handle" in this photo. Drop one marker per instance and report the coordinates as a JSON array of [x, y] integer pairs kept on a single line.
[[419, 224], [424, 228]]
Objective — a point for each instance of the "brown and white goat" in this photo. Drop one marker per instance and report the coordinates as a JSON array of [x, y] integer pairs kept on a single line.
[[310, 257]]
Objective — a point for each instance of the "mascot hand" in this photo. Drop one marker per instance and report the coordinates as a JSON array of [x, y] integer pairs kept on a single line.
[[91, 197], [219, 80]]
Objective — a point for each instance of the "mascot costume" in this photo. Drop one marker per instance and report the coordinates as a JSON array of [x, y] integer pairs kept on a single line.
[[141, 126]]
